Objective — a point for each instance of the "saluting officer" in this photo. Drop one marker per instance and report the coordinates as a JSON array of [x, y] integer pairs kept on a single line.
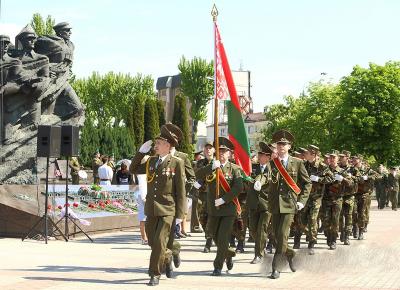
[[165, 200]]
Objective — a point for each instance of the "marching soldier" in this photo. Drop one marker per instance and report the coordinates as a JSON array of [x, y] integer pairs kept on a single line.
[[364, 190], [349, 189], [393, 185], [222, 209], [319, 175], [257, 202], [165, 200], [201, 186], [190, 178], [381, 186], [288, 192]]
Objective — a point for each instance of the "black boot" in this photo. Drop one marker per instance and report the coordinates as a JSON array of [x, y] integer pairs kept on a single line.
[[207, 247], [169, 271], [240, 247], [355, 232], [361, 234], [275, 274], [177, 260], [333, 244], [311, 248], [291, 265], [229, 263], [328, 239], [269, 247], [154, 281], [296, 244], [342, 236], [347, 239]]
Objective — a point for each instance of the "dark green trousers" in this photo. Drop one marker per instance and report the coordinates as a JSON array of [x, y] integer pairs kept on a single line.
[[157, 231], [173, 245], [362, 203], [281, 226], [220, 228], [309, 218], [194, 216], [258, 226], [394, 198], [346, 216], [333, 207]]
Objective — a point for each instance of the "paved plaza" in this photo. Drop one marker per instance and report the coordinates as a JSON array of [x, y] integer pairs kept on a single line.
[[119, 261]]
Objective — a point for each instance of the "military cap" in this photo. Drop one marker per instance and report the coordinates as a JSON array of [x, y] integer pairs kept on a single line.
[[283, 136], [326, 155], [4, 38], [302, 150], [297, 153], [345, 153], [26, 32], [313, 149], [198, 153], [171, 134], [334, 153], [393, 167], [225, 143], [272, 145], [62, 26], [264, 148], [209, 143], [358, 156]]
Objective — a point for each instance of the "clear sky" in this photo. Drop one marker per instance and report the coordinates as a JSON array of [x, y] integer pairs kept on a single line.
[[285, 44]]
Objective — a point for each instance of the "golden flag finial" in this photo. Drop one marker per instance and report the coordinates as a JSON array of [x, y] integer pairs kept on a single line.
[[214, 13]]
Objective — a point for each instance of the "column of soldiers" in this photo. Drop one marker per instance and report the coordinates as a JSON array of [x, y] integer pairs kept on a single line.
[[282, 189]]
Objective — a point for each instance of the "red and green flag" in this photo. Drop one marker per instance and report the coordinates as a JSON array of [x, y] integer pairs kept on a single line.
[[226, 90]]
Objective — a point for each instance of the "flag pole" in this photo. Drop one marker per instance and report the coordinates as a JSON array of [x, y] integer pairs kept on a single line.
[[214, 14]]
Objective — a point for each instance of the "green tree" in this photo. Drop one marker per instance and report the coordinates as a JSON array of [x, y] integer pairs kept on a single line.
[[161, 112], [369, 112], [151, 125], [181, 119], [41, 26], [196, 86]]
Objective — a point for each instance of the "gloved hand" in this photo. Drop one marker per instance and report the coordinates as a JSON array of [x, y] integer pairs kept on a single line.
[[338, 177], [196, 185], [146, 146], [314, 178], [299, 206], [216, 163], [365, 177], [257, 185], [219, 202]]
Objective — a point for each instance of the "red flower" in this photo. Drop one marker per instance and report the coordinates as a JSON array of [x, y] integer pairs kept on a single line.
[[59, 207], [75, 204], [49, 206], [66, 205], [108, 201]]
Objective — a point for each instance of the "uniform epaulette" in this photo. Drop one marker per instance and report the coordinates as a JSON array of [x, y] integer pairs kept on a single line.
[[297, 159], [177, 157]]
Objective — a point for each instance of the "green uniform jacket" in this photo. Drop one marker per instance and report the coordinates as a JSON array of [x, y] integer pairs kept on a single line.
[[393, 182], [96, 163], [350, 183], [258, 200], [189, 172], [321, 170], [366, 186], [233, 177], [74, 165], [282, 199], [166, 195]]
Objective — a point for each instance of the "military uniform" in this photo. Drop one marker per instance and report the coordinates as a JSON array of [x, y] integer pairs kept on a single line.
[[165, 201], [96, 163], [257, 204], [75, 167], [283, 202], [221, 219], [393, 188], [202, 196], [349, 189], [364, 190], [309, 216], [381, 188]]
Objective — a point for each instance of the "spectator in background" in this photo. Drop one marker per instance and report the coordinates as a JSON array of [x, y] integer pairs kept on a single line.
[[96, 163], [123, 176], [105, 172]]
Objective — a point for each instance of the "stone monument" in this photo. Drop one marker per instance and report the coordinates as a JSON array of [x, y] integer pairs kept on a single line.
[[34, 90]]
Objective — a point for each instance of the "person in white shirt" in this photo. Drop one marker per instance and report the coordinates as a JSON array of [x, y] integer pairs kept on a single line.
[[105, 172]]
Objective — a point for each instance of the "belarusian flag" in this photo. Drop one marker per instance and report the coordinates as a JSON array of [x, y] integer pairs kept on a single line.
[[225, 87]]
